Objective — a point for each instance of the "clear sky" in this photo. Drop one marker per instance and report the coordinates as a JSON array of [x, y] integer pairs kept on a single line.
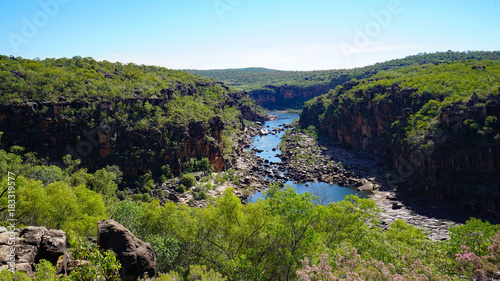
[[278, 34]]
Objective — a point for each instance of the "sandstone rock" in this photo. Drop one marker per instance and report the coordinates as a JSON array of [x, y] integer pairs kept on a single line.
[[4, 254], [26, 267], [33, 244], [32, 235], [367, 186], [136, 256], [52, 246]]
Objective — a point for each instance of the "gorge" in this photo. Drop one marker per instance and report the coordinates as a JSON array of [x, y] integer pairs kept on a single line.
[[180, 162]]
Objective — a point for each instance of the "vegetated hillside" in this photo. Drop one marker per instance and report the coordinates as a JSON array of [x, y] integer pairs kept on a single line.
[[145, 119], [438, 124], [290, 89]]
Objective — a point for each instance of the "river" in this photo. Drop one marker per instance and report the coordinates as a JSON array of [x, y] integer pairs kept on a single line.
[[326, 192]]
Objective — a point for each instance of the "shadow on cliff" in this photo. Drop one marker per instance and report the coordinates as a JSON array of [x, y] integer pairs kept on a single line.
[[441, 209]]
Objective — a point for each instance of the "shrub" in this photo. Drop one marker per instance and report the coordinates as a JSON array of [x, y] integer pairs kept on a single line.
[[102, 266], [481, 267], [194, 165], [188, 180], [350, 266], [200, 195], [181, 188]]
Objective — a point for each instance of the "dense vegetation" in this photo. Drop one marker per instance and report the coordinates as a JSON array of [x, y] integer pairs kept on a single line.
[[286, 237], [256, 78], [84, 78]]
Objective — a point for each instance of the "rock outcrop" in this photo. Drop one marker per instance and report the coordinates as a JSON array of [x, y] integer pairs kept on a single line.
[[32, 244], [449, 162], [135, 256]]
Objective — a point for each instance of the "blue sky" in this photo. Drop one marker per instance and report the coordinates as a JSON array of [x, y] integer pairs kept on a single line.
[[278, 34]]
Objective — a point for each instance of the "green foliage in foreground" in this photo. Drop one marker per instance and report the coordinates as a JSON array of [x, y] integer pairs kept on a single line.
[[268, 239], [279, 238], [69, 199]]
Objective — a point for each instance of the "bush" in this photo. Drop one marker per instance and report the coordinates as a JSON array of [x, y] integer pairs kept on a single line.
[[102, 266], [351, 266], [194, 165], [47, 174], [57, 205], [200, 195], [188, 180], [197, 272], [167, 173], [475, 234], [181, 188]]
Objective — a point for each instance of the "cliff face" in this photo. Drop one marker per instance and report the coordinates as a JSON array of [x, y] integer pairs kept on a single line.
[[287, 96], [449, 162], [44, 129], [456, 162], [365, 124]]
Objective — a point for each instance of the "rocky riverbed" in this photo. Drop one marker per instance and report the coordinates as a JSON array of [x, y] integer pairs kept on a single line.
[[307, 159]]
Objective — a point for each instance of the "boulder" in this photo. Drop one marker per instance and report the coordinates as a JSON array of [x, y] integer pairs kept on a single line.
[[31, 235], [52, 246], [135, 256], [397, 205]]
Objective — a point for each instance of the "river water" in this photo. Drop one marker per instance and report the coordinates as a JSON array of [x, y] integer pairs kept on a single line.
[[326, 192]]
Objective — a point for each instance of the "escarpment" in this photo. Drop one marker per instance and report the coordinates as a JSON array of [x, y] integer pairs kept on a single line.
[[455, 155], [131, 133]]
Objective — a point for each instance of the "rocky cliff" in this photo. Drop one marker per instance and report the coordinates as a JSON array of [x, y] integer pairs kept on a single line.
[[451, 161], [47, 129], [288, 96]]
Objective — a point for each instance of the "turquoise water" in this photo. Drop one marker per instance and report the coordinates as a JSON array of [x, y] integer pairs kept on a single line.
[[326, 192]]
